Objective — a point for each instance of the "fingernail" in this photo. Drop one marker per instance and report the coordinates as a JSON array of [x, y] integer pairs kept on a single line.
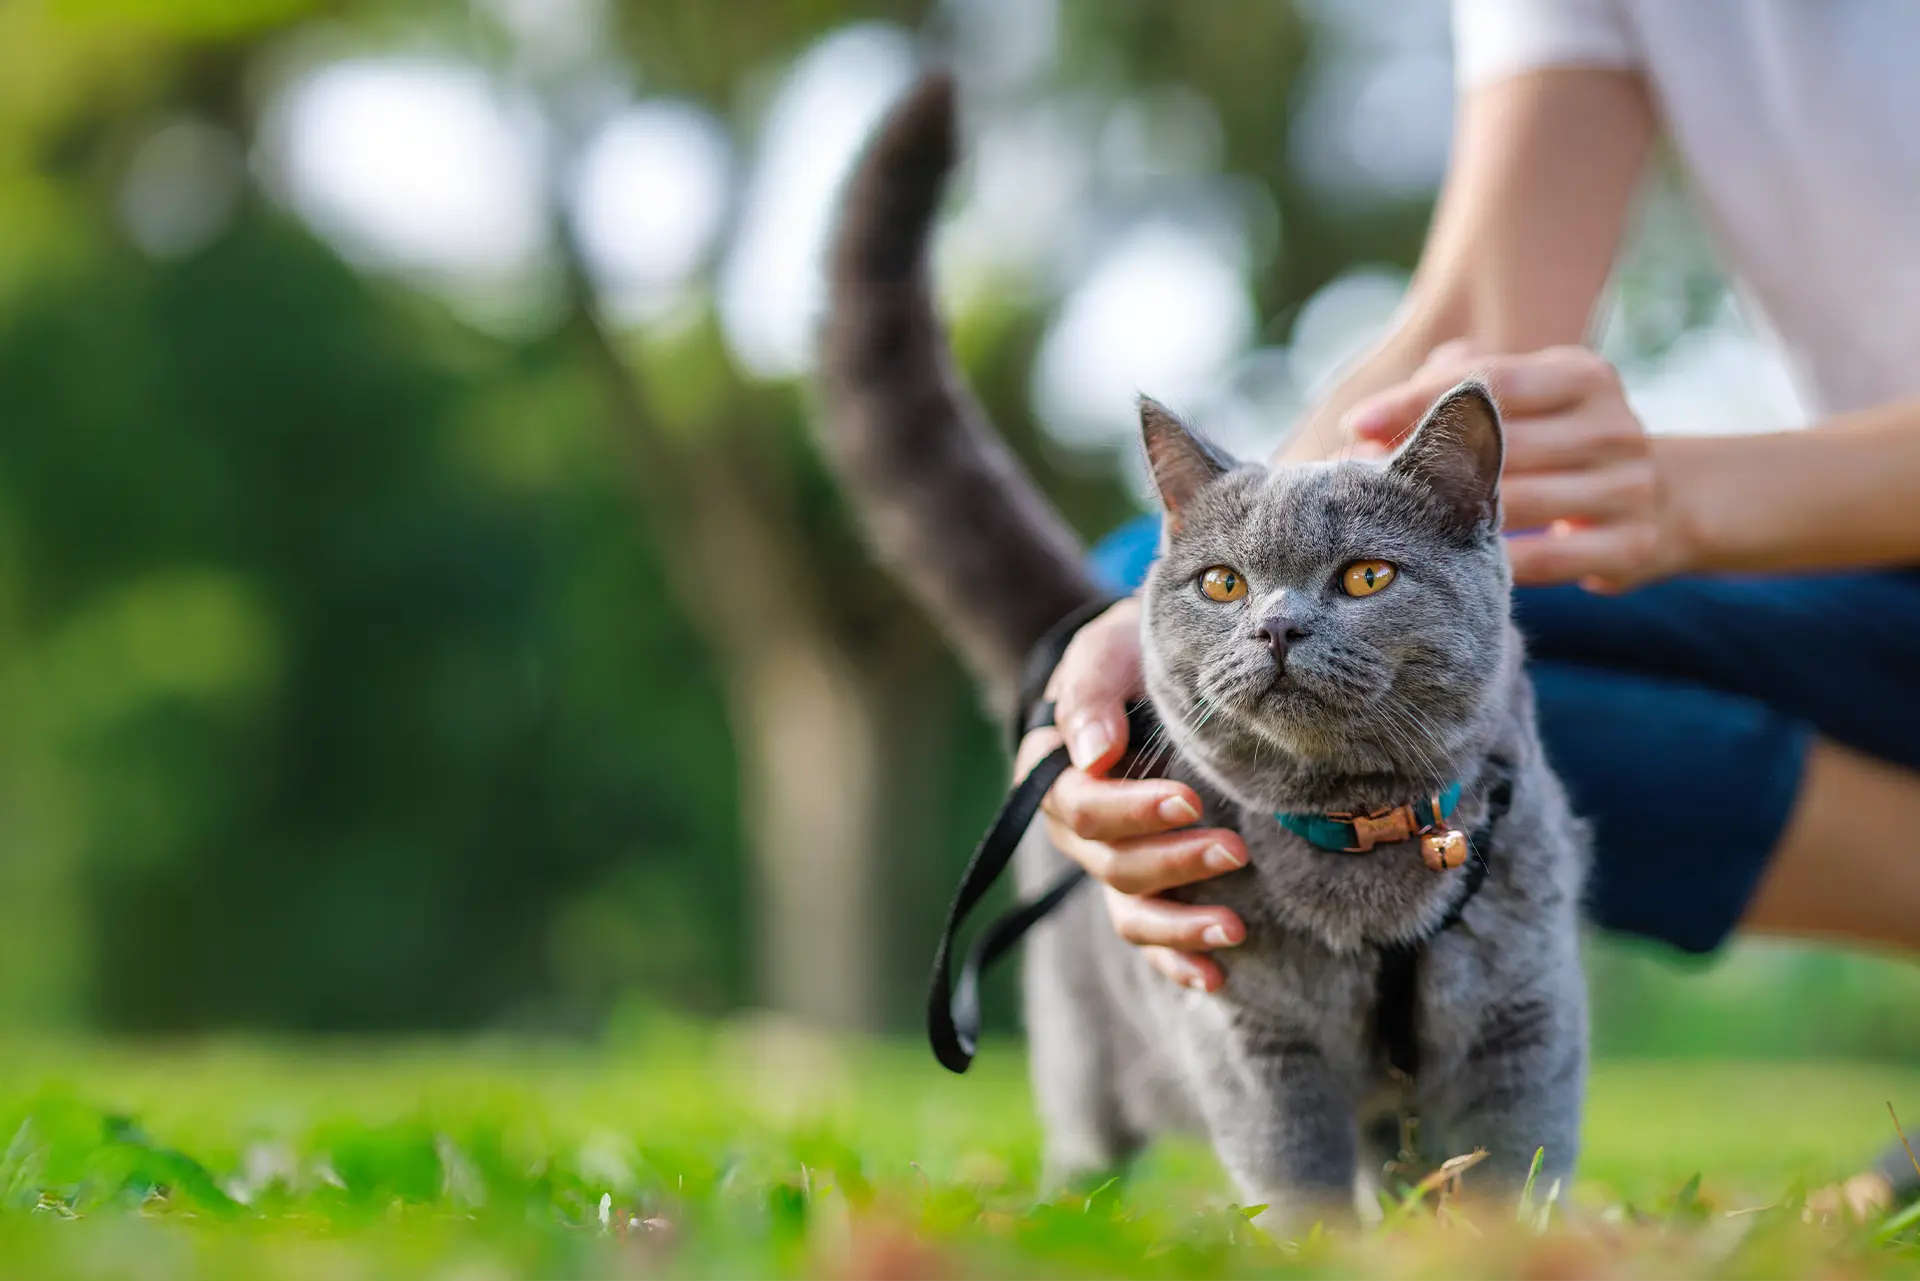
[[1217, 936], [1364, 419], [1194, 982], [1219, 858], [1090, 742], [1176, 810]]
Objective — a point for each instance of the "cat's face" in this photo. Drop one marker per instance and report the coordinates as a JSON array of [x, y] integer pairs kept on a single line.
[[1335, 618]]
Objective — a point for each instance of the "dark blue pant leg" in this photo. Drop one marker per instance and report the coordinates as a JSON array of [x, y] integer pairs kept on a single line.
[[1687, 789], [1679, 717], [1839, 651]]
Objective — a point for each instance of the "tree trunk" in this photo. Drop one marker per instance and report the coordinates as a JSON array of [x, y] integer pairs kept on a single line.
[[811, 764], [807, 733]]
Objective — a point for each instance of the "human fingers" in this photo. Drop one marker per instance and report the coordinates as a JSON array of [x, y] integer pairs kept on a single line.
[[1098, 673], [1606, 557], [1186, 927], [1592, 496], [1532, 383], [1151, 864], [1188, 969], [1111, 809]]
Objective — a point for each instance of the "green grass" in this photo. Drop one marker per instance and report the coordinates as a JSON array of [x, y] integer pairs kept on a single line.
[[749, 1152]]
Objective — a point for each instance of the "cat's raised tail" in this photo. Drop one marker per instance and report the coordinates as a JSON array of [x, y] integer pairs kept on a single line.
[[946, 505]]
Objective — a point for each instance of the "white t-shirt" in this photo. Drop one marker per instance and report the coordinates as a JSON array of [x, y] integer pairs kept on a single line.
[[1799, 123]]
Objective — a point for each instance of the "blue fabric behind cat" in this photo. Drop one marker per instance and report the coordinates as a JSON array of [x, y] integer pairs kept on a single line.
[[1119, 561], [1679, 717]]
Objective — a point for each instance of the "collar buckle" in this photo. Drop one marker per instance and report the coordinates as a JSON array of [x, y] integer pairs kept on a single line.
[[1389, 826], [1382, 827]]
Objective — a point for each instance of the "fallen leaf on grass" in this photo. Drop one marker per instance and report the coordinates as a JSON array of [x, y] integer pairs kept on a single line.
[[881, 1250]]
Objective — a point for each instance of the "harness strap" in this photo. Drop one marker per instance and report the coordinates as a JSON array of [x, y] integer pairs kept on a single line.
[[1397, 985]]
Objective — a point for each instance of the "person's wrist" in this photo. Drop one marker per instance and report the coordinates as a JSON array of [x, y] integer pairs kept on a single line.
[[1428, 318], [1691, 478]]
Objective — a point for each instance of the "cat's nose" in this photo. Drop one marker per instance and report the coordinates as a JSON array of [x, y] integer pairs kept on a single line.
[[1278, 635]]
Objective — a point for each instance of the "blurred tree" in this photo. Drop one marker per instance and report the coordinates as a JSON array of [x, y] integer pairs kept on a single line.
[[358, 831]]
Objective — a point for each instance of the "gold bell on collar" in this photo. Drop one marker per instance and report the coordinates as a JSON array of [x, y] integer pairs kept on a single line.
[[1444, 848]]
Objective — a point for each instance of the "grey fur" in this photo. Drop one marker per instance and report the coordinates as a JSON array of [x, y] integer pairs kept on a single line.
[[1378, 700], [907, 437], [1385, 697]]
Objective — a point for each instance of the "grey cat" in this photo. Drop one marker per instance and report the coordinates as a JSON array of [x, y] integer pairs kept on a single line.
[[1324, 639]]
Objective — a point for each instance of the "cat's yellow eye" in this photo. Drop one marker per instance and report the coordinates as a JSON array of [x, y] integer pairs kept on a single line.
[[1223, 585], [1365, 577]]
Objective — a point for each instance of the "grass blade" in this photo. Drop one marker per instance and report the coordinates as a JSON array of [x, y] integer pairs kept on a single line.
[[1526, 1193], [1907, 1218]]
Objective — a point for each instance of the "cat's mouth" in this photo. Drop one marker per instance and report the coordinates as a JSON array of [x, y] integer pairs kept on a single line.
[[1303, 714], [1276, 689], [1287, 691], [1314, 720]]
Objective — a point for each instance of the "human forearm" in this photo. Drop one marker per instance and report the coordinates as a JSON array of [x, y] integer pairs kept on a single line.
[[1523, 237], [1594, 499], [1844, 494], [1391, 361]]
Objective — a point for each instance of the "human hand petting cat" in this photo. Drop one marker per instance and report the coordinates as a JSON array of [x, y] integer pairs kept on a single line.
[[1583, 484], [1135, 837]]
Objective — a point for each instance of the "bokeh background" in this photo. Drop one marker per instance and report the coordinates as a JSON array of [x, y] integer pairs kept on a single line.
[[420, 605]]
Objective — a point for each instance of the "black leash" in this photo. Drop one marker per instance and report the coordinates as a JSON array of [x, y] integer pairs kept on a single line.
[[953, 1009], [953, 1022], [953, 1013]]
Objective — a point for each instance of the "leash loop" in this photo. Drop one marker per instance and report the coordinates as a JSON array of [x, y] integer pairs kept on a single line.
[[953, 1013], [953, 1006], [953, 1010]]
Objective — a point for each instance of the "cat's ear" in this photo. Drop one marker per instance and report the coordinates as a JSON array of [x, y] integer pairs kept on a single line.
[[1456, 452], [1182, 462]]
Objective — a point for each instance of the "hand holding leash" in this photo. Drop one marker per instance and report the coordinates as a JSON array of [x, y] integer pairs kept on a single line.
[[1134, 836]]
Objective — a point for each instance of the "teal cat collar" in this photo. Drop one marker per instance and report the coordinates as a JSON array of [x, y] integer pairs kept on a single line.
[[1358, 833]]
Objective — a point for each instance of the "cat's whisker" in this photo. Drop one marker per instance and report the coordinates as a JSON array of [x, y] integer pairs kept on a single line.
[[1160, 745], [1141, 754], [1425, 739], [1153, 735], [1390, 731], [1414, 740], [1429, 732], [1393, 730]]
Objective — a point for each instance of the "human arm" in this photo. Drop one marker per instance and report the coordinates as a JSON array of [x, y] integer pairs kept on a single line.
[[1612, 507], [1838, 495], [1524, 233]]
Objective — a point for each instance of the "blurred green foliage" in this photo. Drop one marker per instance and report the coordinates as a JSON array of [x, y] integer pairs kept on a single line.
[[331, 656]]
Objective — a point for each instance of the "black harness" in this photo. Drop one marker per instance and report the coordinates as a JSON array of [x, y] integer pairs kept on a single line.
[[953, 1009]]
